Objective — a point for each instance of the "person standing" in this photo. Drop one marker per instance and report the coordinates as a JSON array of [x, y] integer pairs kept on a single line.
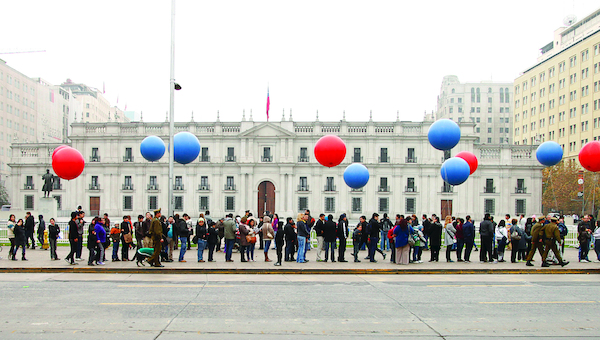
[[147, 240], [319, 229], [139, 232], [501, 238], [101, 239], [10, 226], [190, 225], [515, 235], [357, 241], [212, 239], [486, 232], [468, 230], [342, 234], [126, 238], [290, 239], [329, 237], [53, 231], [386, 225], [182, 232], [584, 234], [157, 239], [29, 226], [40, 230], [80, 228], [449, 232], [435, 240], [402, 232], [20, 239], [202, 234], [596, 236], [302, 235], [374, 232], [229, 235], [268, 234], [92, 244], [426, 227], [73, 238], [244, 231], [460, 239], [279, 242]]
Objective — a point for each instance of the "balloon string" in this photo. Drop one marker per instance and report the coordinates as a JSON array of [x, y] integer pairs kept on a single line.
[[552, 188]]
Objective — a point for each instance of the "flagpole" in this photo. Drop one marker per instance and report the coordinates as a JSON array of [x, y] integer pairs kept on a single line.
[[171, 112]]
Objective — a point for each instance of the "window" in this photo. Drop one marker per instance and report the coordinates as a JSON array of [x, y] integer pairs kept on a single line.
[[477, 130], [411, 158], [94, 185], [329, 204], [357, 157], [356, 204], [178, 203], [303, 155], [153, 185], [127, 202], [383, 157], [490, 100], [204, 157], [451, 100], [501, 130], [573, 61], [128, 155], [178, 183], [384, 204], [410, 206], [303, 185], [267, 154], [478, 119], [152, 203], [127, 183], [95, 155], [383, 184], [490, 120], [410, 184], [230, 155], [203, 203], [490, 130], [229, 184], [56, 184], [489, 186], [29, 202], [329, 186], [489, 206], [520, 207], [302, 204], [451, 109], [204, 183]]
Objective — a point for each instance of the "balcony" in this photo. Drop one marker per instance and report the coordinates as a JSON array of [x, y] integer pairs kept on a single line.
[[303, 187], [94, 158], [127, 159], [410, 159], [204, 158], [385, 159], [203, 187], [383, 188], [153, 187], [94, 186], [356, 189], [266, 158], [229, 158], [329, 188], [489, 190], [127, 187], [29, 186], [520, 190], [357, 159], [447, 188], [229, 187], [410, 189], [303, 159], [178, 187]]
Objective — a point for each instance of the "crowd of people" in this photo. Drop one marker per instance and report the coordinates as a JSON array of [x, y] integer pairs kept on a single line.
[[407, 237]]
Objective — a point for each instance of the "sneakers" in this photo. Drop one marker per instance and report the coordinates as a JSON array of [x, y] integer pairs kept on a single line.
[[78, 259], [100, 263], [584, 260]]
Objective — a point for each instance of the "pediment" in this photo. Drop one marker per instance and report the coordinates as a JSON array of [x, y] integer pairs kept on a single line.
[[267, 130]]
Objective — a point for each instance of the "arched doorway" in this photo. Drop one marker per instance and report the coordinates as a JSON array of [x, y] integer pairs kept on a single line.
[[266, 198]]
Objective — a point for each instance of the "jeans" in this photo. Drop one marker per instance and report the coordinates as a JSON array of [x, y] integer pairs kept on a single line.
[[13, 243], [229, 248], [267, 245], [183, 248], [301, 245], [373, 248], [460, 243], [385, 243], [416, 256], [52, 242], [250, 251], [597, 248], [100, 252], [584, 248], [201, 246], [328, 246], [115, 254], [41, 239]]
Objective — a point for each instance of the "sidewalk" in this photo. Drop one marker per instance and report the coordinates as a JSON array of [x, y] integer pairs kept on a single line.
[[39, 261]]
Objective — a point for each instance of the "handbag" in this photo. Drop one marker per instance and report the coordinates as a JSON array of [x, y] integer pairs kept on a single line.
[[250, 239], [515, 236], [128, 238], [195, 239], [411, 240], [269, 235]]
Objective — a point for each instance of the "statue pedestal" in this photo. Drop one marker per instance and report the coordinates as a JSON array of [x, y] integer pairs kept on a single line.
[[48, 207]]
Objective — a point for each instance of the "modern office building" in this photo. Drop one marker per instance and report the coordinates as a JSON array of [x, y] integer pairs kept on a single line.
[[487, 104], [558, 99], [270, 166]]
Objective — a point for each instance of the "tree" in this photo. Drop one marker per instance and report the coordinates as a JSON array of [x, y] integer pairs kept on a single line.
[[560, 189], [3, 194]]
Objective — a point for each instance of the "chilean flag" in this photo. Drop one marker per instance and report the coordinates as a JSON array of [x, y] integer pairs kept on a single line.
[[268, 104]]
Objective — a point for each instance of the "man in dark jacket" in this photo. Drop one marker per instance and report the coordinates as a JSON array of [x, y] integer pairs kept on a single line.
[[125, 233], [356, 241], [73, 238], [41, 229], [364, 241], [183, 232], [139, 231], [290, 240], [468, 230], [279, 240], [486, 232], [29, 226], [329, 236], [435, 239], [374, 232], [213, 239], [319, 229], [342, 235], [426, 227]]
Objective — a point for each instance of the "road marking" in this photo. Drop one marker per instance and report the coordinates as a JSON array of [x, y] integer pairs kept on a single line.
[[490, 285], [537, 302], [134, 304], [173, 286]]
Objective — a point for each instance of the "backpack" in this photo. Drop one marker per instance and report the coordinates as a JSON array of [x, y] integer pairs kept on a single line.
[[411, 240], [390, 233], [562, 228]]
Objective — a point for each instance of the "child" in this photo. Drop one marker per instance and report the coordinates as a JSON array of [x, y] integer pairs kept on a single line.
[[115, 235], [356, 239]]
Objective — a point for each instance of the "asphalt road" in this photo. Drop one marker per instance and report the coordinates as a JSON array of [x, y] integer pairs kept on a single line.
[[163, 306]]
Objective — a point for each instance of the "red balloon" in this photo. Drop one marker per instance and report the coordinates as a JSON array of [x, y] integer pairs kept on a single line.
[[330, 150], [59, 148], [589, 156], [68, 163], [470, 158]]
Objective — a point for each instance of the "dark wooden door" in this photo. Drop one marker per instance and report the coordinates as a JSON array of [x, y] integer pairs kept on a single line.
[[94, 206], [446, 209], [266, 198]]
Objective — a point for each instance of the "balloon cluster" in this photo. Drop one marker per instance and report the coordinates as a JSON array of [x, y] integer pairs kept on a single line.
[[330, 151], [67, 162], [186, 148], [444, 134]]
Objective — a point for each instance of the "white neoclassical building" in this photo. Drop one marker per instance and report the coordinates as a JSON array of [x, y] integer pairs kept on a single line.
[[270, 166]]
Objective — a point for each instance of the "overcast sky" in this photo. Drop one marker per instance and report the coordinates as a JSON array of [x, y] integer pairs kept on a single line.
[[321, 55]]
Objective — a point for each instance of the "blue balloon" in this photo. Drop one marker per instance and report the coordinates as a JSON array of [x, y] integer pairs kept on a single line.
[[549, 153], [444, 134], [152, 148], [455, 171], [186, 149], [356, 175]]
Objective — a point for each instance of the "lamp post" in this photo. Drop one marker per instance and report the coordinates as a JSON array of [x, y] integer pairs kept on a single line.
[[171, 111]]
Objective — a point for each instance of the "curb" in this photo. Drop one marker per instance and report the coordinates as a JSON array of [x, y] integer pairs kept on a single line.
[[149, 270]]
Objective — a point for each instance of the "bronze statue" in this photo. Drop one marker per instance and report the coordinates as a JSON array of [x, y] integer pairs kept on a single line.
[[48, 183]]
